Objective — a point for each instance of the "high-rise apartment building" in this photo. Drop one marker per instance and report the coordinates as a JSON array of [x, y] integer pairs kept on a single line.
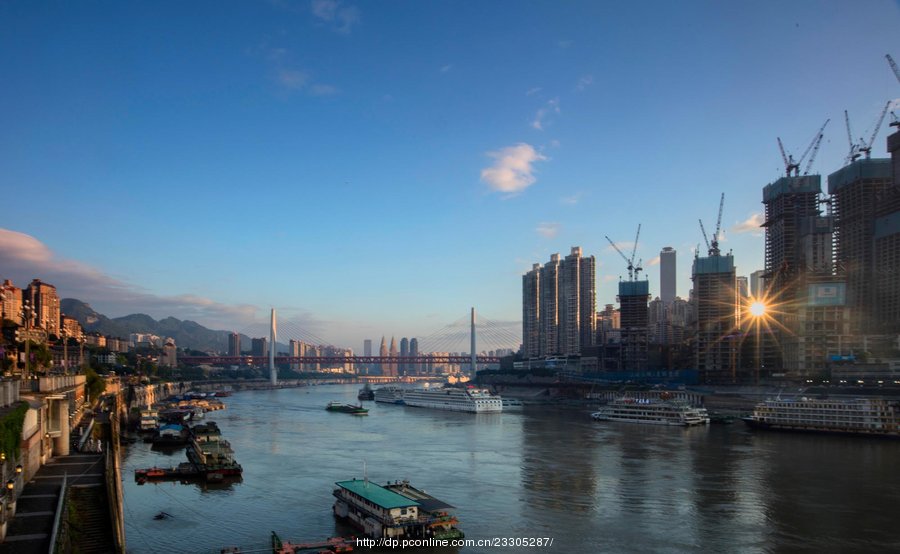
[[259, 347], [234, 344], [294, 349], [11, 302], [367, 347], [717, 312], [549, 308], [758, 283], [531, 310], [667, 275], [559, 306], [45, 302]]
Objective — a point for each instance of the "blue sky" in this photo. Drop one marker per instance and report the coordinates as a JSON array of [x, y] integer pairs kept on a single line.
[[376, 168]]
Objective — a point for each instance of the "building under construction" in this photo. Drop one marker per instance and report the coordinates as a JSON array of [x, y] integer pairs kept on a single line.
[[886, 251], [717, 312], [634, 321], [860, 192]]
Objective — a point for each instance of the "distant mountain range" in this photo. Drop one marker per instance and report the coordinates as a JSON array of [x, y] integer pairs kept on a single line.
[[187, 334]]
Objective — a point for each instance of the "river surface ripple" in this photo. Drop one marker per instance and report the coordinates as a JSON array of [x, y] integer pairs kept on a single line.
[[542, 472]]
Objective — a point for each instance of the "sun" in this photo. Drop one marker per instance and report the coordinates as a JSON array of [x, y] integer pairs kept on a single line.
[[758, 309]]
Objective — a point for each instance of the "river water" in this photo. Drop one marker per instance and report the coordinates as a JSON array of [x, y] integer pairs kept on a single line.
[[542, 472]]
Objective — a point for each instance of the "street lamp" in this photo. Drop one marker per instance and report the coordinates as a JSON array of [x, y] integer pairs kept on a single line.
[[27, 315]]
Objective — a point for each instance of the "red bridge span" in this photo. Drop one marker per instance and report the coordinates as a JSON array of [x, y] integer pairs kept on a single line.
[[338, 360]]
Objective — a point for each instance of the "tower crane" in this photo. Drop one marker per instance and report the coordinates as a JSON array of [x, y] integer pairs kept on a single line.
[[632, 269], [866, 146], [703, 230], [714, 251], [853, 153], [893, 66], [794, 166]]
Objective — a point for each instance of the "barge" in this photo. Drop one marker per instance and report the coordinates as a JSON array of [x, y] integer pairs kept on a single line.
[[394, 510]]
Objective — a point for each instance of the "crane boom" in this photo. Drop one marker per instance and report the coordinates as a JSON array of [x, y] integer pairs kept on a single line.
[[703, 230], [630, 266], [719, 221], [852, 154], [893, 66], [813, 157], [634, 249], [866, 147], [789, 164], [815, 140]]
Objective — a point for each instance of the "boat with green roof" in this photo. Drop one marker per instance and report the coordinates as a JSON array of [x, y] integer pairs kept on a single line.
[[394, 510], [346, 408]]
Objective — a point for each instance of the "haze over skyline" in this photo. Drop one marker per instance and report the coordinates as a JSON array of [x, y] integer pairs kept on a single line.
[[377, 169]]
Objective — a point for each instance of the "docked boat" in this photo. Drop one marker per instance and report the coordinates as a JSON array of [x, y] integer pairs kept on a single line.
[[456, 399], [171, 434], [652, 412], [394, 510], [149, 421], [855, 416], [366, 393], [389, 394], [210, 453], [511, 404], [346, 408]]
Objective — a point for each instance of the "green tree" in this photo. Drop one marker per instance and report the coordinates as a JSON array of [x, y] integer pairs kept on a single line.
[[95, 384]]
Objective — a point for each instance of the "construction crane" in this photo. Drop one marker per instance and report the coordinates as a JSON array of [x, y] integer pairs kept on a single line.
[[714, 251], [893, 66], [794, 166], [866, 146], [703, 230], [853, 153], [632, 269]]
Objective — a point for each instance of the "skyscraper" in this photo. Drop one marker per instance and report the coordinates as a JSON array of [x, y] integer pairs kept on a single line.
[[234, 344], [404, 352], [757, 283], [414, 352], [259, 347], [887, 248], [393, 354], [383, 353], [559, 306], [634, 324], [294, 348], [531, 308], [367, 347], [667, 275], [11, 307]]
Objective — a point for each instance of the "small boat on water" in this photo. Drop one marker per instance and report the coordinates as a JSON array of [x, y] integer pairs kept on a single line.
[[346, 408], [366, 393]]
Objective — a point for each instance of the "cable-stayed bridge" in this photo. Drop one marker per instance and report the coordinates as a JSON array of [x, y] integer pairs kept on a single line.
[[443, 346]]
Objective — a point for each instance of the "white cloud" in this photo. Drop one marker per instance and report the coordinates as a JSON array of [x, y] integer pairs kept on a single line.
[[749, 225], [584, 83], [23, 258], [532, 91], [540, 118], [610, 278], [340, 18], [292, 79], [548, 230], [652, 261], [319, 89], [513, 169], [571, 200], [446, 68]]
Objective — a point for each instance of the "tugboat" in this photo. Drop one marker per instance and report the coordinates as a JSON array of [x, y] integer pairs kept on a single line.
[[366, 393], [346, 408]]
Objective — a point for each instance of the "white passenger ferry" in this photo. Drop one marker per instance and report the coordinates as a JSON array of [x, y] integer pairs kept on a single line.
[[858, 416], [449, 398], [389, 394], [652, 412]]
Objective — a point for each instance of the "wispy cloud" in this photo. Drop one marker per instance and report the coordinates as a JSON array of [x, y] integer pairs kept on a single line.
[[652, 261], [583, 83], [571, 200], [610, 278], [532, 91], [288, 76], [548, 230], [749, 225], [23, 258], [446, 68], [336, 15], [513, 169], [540, 118]]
